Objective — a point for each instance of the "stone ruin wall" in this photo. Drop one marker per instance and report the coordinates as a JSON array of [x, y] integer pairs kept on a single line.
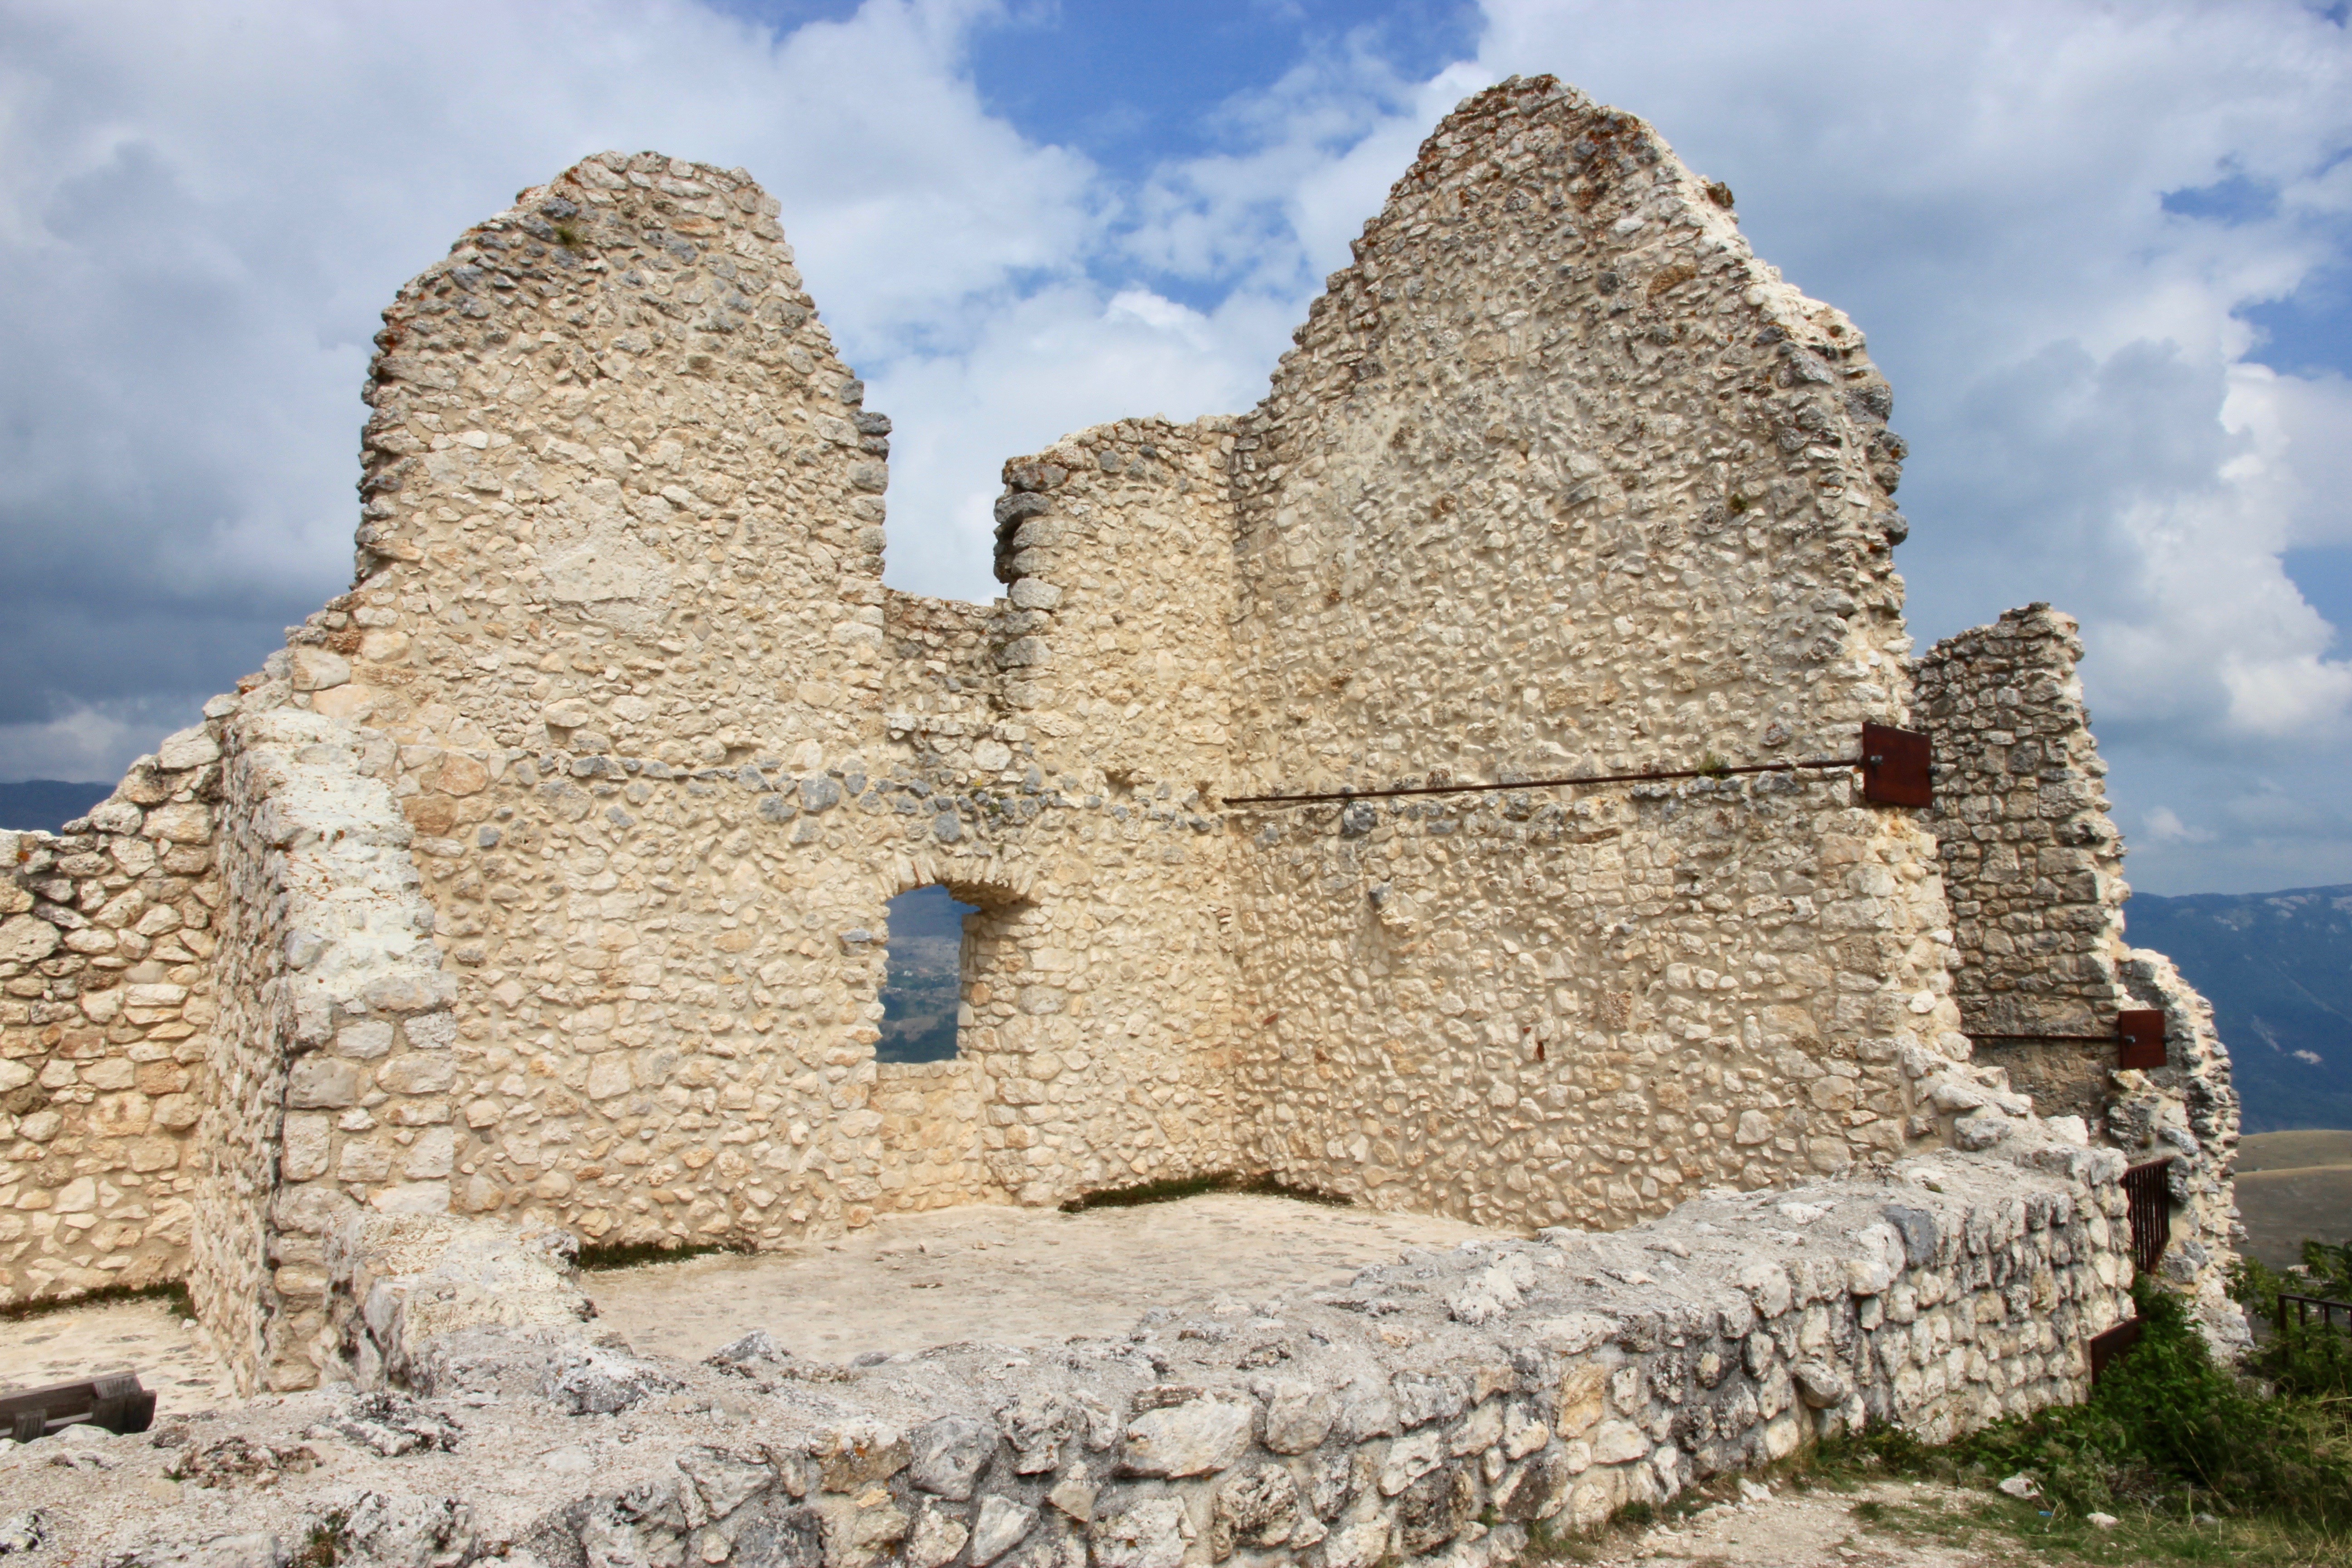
[[245, 983], [329, 1074], [1451, 1407], [2033, 867], [1561, 479], [622, 617], [108, 1005]]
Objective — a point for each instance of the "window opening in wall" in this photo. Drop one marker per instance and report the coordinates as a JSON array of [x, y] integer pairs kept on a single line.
[[924, 986]]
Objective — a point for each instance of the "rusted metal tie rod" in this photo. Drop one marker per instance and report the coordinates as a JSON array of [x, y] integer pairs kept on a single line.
[[2139, 1037], [1893, 764], [1725, 771]]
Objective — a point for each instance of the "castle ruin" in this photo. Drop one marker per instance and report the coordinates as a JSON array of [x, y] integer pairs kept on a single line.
[[540, 879]]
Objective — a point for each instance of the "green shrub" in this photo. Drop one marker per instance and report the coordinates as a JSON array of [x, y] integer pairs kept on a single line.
[[2301, 1355], [2167, 1428]]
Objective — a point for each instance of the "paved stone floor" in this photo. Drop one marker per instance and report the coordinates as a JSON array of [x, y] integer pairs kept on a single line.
[[1004, 1275], [145, 1337], [1007, 1275]]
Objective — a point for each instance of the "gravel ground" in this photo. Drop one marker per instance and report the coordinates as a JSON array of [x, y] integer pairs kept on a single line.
[[1795, 1529]]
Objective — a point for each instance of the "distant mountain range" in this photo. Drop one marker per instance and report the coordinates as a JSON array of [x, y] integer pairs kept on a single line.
[[2278, 969], [47, 804]]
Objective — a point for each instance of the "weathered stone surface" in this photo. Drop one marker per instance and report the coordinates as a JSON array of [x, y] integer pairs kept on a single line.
[[1150, 1534], [945, 1456], [1298, 1416], [1197, 1437], [853, 1456], [998, 1528]]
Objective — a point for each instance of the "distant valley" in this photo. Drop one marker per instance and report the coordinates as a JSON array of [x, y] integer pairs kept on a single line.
[[2278, 969], [926, 981]]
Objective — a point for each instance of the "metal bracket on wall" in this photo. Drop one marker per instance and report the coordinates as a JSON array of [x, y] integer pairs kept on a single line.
[[2138, 1039], [1894, 767], [2141, 1035], [2106, 1347]]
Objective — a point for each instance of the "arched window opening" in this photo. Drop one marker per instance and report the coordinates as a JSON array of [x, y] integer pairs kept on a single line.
[[922, 990]]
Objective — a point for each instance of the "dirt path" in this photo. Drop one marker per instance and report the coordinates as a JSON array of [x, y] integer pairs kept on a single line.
[[1795, 1529]]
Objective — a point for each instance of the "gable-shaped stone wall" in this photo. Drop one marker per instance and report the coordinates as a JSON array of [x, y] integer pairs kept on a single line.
[[1561, 480], [669, 746]]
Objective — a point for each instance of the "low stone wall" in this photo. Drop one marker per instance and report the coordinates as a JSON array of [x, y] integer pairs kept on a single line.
[[401, 1282], [1449, 1403], [108, 935], [225, 1027]]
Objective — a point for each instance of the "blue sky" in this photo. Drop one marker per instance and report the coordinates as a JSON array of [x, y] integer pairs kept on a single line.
[[2104, 253]]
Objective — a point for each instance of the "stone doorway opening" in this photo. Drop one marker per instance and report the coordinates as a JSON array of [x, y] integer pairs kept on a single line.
[[923, 986]]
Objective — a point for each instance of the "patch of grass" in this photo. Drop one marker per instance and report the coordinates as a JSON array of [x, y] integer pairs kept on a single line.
[[2301, 1354], [1554, 1540], [1270, 1187], [630, 1254], [2195, 1464], [1262, 1182], [172, 1293], [319, 1548]]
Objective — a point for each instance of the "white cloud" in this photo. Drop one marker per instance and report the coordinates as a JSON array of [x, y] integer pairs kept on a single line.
[[204, 207], [1980, 186], [87, 743], [2164, 826]]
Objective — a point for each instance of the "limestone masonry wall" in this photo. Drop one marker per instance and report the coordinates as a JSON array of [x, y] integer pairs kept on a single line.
[[109, 936], [329, 1085], [2034, 866], [1561, 480], [542, 877], [622, 617], [2034, 869]]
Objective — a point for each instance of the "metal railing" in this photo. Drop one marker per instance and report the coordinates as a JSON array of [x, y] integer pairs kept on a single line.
[[2303, 1305], [2150, 1197]]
